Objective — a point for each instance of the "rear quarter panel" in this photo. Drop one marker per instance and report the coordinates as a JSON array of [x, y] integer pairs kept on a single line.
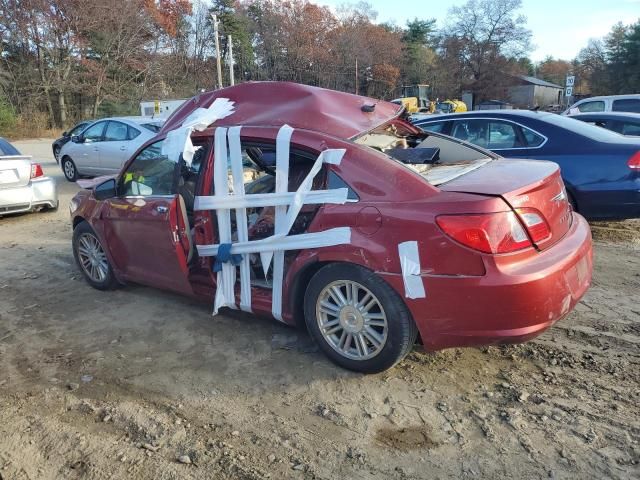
[[395, 205]]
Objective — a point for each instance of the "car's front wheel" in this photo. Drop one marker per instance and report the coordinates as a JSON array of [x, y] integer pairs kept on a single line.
[[69, 169], [357, 319], [91, 258]]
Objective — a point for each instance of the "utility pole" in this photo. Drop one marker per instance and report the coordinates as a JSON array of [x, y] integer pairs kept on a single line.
[[357, 89], [218, 59], [231, 62]]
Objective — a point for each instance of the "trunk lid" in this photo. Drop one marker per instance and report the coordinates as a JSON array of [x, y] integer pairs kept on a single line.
[[15, 171], [523, 184]]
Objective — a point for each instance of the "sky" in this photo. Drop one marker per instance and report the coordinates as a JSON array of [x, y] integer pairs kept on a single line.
[[560, 28]]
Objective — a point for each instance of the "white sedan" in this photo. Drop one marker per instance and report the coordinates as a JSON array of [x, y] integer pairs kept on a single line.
[[104, 146], [23, 185]]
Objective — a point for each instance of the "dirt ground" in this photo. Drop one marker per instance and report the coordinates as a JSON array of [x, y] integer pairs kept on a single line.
[[124, 384]]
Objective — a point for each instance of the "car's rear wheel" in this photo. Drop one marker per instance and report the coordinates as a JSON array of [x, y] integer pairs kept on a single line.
[[56, 153], [357, 319], [69, 169], [92, 259]]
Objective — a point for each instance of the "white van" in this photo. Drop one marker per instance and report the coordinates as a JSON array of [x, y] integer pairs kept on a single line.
[[609, 103]]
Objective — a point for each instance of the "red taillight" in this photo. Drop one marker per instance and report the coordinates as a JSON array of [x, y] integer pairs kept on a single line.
[[489, 232], [535, 223], [634, 161], [36, 170]]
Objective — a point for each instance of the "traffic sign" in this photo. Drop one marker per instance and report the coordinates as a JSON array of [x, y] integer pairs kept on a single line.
[[568, 92], [570, 80]]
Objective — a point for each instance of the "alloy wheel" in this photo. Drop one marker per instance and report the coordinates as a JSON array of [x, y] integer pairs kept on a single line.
[[351, 320], [92, 257], [69, 169]]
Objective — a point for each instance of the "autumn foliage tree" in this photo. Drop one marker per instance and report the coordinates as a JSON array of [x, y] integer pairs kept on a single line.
[[63, 60]]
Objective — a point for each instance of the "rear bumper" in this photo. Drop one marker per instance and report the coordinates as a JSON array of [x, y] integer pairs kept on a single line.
[[39, 192], [513, 302]]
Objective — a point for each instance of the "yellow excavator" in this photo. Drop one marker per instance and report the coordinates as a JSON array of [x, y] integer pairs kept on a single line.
[[415, 99], [450, 106]]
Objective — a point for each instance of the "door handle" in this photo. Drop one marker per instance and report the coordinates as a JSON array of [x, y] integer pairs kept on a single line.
[[162, 209], [123, 148]]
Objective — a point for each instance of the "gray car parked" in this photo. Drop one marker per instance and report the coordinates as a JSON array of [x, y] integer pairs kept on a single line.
[[104, 146], [23, 186]]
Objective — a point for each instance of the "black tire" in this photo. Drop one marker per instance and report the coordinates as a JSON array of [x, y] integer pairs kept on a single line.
[[401, 331], [69, 169], [81, 234], [56, 154]]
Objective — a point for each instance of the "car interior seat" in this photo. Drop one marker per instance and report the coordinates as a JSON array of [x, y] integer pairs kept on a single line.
[[264, 225]]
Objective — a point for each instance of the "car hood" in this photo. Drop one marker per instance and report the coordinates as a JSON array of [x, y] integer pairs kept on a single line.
[[91, 183], [275, 104]]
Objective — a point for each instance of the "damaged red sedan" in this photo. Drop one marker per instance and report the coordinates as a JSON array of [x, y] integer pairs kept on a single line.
[[325, 208]]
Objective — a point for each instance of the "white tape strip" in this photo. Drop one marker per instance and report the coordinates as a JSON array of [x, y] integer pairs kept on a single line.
[[283, 141], [226, 279], [287, 207], [334, 157], [326, 238], [331, 156], [410, 265], [178, 141], [201, 118], [255, 200], [235, 155]]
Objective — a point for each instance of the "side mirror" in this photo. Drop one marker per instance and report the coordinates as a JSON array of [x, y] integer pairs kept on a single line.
[[77, 139], [65, 134], [106, 189]]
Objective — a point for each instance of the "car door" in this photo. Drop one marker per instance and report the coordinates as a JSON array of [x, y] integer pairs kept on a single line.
[[114, 150], [630, 128], [86, 155], [626, 105], [504, 137], [144, 225], [593, 106]]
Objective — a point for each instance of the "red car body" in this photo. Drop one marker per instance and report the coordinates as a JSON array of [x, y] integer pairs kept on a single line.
[[472, 297]]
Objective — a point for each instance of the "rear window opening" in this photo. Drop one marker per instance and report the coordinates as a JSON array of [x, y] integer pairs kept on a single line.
[[259, 174], [437, 158]]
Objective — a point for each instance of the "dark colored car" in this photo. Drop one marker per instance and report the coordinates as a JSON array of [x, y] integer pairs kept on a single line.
[[619, 122], [66, 137], [377, 231], [600, 169]]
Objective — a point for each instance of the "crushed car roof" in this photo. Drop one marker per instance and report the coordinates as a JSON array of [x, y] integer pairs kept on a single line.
[[274, 104]]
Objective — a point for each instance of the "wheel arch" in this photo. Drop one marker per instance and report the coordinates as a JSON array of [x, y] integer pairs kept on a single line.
[[77, 220], [300, 282]]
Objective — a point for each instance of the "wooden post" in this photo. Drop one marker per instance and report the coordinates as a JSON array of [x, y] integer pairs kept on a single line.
[[230, 60], [357, 88], [217, 42]]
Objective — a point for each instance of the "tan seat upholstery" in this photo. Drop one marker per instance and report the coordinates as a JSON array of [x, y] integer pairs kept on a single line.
[[185, 219]]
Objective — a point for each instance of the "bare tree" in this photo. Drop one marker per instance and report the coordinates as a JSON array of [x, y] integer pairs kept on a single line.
[[486, 34]]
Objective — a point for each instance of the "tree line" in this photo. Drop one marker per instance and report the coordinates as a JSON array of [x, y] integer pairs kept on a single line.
[[62, 60]]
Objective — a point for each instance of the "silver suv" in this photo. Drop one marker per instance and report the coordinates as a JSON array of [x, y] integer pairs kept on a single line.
[[609, 103]]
